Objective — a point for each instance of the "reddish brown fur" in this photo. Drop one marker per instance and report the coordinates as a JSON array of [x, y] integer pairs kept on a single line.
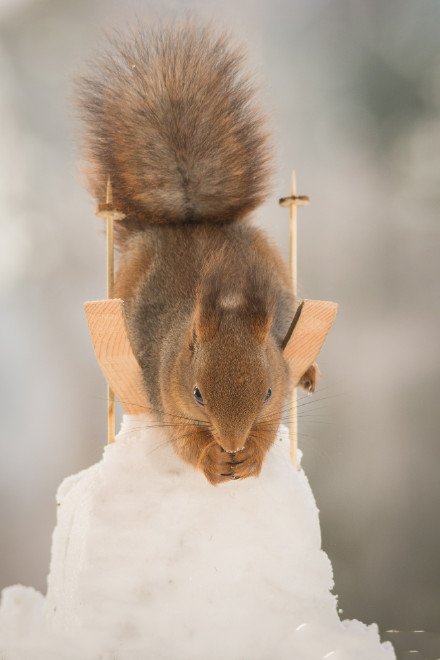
[[172, 120]]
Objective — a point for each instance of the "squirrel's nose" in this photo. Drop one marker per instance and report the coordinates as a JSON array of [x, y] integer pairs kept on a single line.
[[230, 438], [232, 446], [231, 451]]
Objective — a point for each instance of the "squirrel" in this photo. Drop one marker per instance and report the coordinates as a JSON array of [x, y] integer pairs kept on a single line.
[[170, 117]]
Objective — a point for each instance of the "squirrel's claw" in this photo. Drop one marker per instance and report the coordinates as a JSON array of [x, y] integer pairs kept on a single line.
[[218, 470]]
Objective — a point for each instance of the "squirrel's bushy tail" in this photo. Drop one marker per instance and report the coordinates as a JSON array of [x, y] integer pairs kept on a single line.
[[170, 117]]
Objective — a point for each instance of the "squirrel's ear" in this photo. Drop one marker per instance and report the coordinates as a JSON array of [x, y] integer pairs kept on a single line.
[[206, 320], [260, 310], [192, 338], [261, 327], [292, 326]]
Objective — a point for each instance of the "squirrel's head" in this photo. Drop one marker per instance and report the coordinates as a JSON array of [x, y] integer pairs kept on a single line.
[[232, 374]]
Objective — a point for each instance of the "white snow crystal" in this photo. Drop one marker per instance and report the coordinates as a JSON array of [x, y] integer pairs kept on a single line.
[[150, 561]]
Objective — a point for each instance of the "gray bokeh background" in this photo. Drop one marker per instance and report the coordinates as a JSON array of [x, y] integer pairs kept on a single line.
[[353, 88]]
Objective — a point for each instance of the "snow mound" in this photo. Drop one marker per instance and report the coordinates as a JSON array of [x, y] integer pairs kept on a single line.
[[150, 561]]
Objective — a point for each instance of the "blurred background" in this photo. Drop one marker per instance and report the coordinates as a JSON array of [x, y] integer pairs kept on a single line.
[[353, 88]]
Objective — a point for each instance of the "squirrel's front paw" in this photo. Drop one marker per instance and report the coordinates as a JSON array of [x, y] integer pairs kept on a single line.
[[219, 465], [216, 464]]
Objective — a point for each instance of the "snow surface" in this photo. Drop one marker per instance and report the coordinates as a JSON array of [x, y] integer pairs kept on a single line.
[[149, 561]]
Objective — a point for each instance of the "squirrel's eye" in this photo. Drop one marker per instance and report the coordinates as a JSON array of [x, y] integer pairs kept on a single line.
[[198, 396], [268, 394]]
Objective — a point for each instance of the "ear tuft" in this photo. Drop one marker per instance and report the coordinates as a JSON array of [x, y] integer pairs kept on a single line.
[[260, 307], [192, 339], [207, 315]]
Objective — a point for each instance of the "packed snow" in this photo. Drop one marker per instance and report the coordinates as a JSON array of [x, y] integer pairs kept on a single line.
[[150, 561]]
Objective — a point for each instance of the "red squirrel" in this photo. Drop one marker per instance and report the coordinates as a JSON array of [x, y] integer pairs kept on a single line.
[[170, 116]]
